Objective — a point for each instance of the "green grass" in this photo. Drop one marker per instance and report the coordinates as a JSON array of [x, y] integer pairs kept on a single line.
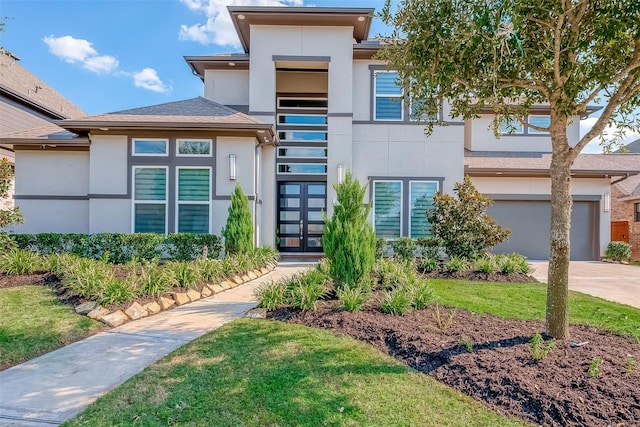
[[528, 301], [264, 373], [33, 322]]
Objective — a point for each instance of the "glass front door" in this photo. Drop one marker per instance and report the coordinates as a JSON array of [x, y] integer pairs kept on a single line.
[[300, 223]]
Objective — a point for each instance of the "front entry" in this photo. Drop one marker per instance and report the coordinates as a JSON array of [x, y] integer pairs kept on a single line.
[[300, 222]]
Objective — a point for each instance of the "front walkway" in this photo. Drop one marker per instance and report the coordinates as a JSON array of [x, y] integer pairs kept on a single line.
[[614, 282], [52, 388]]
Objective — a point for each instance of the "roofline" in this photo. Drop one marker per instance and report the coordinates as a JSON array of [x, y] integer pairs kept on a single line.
[[511, 172], [629, 198], [23, 99], [236, 11], [75, 142], [219, 62], [545, 109]]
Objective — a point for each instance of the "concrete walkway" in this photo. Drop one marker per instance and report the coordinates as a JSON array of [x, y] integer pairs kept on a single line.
[[52, 388], [614, 282]]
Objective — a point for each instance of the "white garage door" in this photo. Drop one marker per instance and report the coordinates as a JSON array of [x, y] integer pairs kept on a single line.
[[529, 221]]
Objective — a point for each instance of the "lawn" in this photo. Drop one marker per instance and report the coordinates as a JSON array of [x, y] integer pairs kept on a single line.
[[34, 322], [257, 373], [528, 301]]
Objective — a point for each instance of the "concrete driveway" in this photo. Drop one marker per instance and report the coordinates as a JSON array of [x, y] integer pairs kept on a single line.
[[614, 282]]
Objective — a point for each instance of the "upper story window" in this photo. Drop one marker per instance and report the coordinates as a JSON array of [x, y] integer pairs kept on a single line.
[[637, 206], [194, 147], [388, 104], [150, 147], [516, 128]]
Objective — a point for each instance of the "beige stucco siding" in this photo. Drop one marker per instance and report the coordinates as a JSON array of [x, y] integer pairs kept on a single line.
[[108, 162], [227, 87], [110, 216], [52, 173], [53, 216]]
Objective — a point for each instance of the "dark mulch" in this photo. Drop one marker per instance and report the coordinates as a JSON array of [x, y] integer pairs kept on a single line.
[[500, 371], [478, 276]]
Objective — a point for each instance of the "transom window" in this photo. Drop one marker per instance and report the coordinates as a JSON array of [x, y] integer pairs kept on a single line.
[[388, 94], [150, 147], [194, 147]]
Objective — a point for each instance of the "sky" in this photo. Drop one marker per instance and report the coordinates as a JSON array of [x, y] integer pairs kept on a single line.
[[112, 55]]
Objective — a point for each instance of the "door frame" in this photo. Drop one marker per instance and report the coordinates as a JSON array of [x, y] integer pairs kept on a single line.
[[304, 222]]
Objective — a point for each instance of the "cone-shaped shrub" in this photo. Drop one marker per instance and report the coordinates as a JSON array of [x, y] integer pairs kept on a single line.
[[238, 232], [349, 240]]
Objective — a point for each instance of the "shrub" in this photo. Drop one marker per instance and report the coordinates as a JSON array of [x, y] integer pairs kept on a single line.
[[506, 265], [352, 299], [182, 273], [238, 232], [394, 273], [86, 277], [188, 246], [116, 291], [349, 240], [421, 294], [304, 292], [210, 270], [540, 349], [486, 264], [272, 295], [429, 264], [7, 243], [461, 225], [457, 264], [11, 215], [618, 251], [397, 301], [428, 247], [381, 246], [520, 263], [19, 261], [152, 281], [404, 248]]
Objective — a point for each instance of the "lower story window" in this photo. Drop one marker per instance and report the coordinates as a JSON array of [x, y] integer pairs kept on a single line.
[[193, 200], [150, 200], [403, 201]]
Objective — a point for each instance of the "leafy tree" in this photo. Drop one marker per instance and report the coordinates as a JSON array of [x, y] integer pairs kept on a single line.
[[349, 240], [11, 215], [238, 232], [511, 55], [461, 225]]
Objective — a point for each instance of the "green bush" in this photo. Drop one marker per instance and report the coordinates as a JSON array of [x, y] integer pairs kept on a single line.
[[87, 277], [153, 281], [457, 264], [381, 246], [421, 294], [397, 301], [393, 274], [19, 261], [486, 264], [7, 243], [188, 246], [116, 291], [238, 232], [428, 247], [429, 264], [349, 240], [404, 248], [183, 274], [272, 295], [352, 299], [461, 225], [304, 292], [618, 251]]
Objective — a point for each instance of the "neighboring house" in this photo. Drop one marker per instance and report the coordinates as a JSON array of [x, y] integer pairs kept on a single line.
[[27, 103], [304, 103], [625, 203]]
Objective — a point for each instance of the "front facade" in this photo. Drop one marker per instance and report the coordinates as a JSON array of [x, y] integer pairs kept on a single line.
[[305, 102]]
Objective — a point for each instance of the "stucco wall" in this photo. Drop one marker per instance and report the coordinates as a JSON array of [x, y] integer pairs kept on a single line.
[[227, 87], [50, 172]]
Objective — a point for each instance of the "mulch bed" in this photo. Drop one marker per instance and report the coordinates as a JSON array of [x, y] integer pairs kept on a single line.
[[501, 371]]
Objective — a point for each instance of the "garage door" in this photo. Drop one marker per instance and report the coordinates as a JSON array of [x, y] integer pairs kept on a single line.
[[529, 222]]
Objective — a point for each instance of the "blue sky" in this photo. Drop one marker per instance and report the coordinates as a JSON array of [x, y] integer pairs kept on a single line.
[[111, 55]]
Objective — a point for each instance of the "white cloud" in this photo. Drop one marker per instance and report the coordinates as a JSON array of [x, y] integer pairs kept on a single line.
[[218, 28], [81, 51], [609, 133], [70, 49], [148, 79]]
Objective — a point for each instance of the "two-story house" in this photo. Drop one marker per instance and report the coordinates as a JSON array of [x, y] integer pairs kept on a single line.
[[303, 103]]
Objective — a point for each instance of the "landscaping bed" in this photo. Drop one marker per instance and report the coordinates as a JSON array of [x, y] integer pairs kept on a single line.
[[500, 370]]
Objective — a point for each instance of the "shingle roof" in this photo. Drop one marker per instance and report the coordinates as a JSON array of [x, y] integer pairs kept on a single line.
[[632, 147], [44, 132], [17, 81], [525, 163], [630, 187]]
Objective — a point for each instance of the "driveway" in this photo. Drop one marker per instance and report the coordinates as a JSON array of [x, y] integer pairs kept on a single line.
[[614, 282]]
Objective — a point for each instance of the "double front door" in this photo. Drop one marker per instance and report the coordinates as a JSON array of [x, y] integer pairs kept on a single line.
[[300, 222]]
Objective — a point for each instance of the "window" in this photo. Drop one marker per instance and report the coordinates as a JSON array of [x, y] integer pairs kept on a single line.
[[194, 147], [387, 211], [302, 135], [516, 128], [302, 152], [150, 147], [303, 168], [193, 200], [388, 103], [541, 121], [637, 206], [511, 128], [150, 199], [302, 119], [421, 194]]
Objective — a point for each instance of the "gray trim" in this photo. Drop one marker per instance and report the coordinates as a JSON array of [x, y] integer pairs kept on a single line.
[[406, 196], [378, 67], [543, 197], [47, 197], [293, 127], [299, 58], [403, 122], [172, 161], [340, 115], [262, 113], [110, 196], [291, 160], [292, 177], [218, 198]]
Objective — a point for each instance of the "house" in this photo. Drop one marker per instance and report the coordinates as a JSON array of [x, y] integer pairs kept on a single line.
[[27, 103], [625, 203], [303, 103]]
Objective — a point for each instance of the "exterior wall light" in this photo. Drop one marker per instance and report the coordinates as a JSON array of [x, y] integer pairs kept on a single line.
[[340, 173], [232, 167], [607, 202]]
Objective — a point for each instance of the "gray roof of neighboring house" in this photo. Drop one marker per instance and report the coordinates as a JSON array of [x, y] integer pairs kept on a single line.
[[632, 147], [17, 82], [490, 163], [629, 187]]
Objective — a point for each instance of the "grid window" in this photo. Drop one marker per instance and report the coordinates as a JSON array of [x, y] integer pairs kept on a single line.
[[388, 96]]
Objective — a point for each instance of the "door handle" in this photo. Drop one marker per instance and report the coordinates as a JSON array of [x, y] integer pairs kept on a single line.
[[301, 229]]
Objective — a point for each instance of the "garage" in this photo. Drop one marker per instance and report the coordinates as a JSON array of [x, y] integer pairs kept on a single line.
[[529, 221]]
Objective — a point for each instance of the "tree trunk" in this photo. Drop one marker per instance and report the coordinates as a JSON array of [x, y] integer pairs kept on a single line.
[[557, 321]]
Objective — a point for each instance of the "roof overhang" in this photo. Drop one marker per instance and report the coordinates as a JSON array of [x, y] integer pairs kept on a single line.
[[542, 173], [245, 16], [545, 110], [234, 61], [17, 97]]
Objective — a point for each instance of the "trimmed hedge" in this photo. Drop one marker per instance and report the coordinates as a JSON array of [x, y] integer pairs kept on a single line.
[[119, 248]]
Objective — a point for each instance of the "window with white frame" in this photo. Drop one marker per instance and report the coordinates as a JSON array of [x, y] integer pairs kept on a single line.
[[421, 199], [387, 209], [514, 127], [193, 199], [150, 147], [193, 147], [540, 121], [150, 199], [388, 103]]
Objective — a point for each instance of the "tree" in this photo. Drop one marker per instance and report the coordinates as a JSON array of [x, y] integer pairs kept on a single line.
[[461, 224], [349, 241], [12, 215], [238, 232], [511, 55]]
